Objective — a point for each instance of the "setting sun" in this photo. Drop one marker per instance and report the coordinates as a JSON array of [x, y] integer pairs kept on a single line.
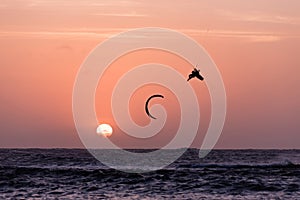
[[104, 130]]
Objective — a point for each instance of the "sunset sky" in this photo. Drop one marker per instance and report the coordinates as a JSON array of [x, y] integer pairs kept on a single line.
[[254, 43]]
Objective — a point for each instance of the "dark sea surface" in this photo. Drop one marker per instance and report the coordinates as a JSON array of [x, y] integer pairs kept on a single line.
[[223, 174]]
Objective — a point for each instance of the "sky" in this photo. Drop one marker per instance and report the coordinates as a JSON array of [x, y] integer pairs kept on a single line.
[[255, 45]]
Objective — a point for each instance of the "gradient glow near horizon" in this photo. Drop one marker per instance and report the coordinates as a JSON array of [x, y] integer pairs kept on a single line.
[[255, 44]]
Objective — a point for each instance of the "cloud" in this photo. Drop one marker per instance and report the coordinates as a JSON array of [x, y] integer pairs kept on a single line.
[[250, 36], [259, 17], [65, 47], [103, 33], [131, 14], [63, 33], [66, 3]]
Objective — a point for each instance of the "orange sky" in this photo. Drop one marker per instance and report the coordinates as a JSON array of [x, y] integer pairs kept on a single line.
[[255, 45]]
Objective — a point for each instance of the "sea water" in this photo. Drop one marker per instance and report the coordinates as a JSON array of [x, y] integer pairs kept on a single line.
[[223, 174]]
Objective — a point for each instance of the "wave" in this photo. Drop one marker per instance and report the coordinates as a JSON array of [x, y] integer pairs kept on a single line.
[[94, 168], [284, 164]]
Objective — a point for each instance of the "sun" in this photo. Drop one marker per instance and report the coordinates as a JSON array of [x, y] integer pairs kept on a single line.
[[104, 130]]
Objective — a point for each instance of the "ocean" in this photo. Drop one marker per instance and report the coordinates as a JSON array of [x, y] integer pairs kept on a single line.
[[223, 174]]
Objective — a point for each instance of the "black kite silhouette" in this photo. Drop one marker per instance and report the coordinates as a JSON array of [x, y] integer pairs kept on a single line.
[[147, 102]]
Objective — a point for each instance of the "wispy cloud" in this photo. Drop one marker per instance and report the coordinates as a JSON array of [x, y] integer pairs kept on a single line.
[[67, 3], [102, 33], [259, 17], [65, 33], [250, 36], [130, 14]]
